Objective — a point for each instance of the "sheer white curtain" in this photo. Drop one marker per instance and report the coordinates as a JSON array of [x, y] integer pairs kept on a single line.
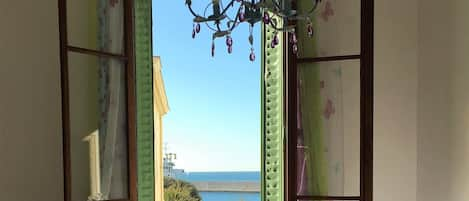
[[112, 88]]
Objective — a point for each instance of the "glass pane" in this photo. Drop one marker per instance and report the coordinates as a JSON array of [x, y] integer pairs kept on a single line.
[[98, 123], [96, 24], [328, 148], [336, 25]]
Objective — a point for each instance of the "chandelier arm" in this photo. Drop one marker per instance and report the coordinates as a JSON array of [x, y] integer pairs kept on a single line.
[[307, 14], [232, 27], [280, 14], [281, 29], [206, 22], [211, 28], [274, 26], [229, 29], [218, 26], [277, 29], [313, 8], [227, 6], [279, 8], [235, 22], [276, 5], [192, 11], [249, 4]]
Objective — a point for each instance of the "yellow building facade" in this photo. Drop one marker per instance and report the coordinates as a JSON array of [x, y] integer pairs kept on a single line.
[[160, 108]]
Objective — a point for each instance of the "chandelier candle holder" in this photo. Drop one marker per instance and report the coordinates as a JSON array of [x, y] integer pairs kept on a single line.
[[251, 12]]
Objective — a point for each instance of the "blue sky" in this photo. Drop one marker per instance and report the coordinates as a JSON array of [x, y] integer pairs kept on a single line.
[[214, 118]]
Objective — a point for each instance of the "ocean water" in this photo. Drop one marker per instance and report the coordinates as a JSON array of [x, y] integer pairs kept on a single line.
[[224, 176], [224, 196]]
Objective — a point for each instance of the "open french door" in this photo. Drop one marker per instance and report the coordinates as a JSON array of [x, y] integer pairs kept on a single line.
[[318, 106]]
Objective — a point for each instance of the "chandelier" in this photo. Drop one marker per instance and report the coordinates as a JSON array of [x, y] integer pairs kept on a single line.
[[251, 12]]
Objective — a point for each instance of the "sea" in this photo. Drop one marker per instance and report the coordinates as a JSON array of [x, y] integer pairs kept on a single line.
[[224, 176]]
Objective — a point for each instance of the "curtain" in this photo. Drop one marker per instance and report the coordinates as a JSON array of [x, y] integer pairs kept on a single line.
[[321, 133], [112, 97], [320, 148], [311, 158]]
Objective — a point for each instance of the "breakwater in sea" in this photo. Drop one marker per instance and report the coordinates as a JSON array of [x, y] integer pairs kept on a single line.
[[227, 186]]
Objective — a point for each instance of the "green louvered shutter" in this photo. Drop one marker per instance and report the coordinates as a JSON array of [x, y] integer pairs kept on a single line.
[[272, 117], [144, 90]]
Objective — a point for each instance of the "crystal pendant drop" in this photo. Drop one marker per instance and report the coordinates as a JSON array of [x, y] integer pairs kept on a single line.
[[197, 28], [193, 33], [266, 18], [295, 49], [230, 49], [252, 56], [275, 40], [229, 41], [310, 30], [213, 49], [293, 38], [241, 17], [294, 41]]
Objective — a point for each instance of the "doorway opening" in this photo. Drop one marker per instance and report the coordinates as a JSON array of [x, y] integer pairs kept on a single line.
[[210, 133]]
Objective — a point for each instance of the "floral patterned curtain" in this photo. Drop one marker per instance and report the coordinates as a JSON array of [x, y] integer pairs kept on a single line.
[[321, 136], [320, 148]]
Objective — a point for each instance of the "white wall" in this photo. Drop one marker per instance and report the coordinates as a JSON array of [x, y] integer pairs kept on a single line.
[[443, 101], [459, 100], [433, 101], [30, 122], [395, 152]]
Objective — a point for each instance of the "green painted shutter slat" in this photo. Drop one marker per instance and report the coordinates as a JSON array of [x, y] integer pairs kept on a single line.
[[144, 90], [272, 117]]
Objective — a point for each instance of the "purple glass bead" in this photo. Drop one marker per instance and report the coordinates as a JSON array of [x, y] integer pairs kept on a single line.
[[310, 30], [229, 41], [295, 49], [275, 40], [266, 18], [197, 28], [241, 17], [230, 49], [213, 49], [252, 56], [293, 38], [193, 33]]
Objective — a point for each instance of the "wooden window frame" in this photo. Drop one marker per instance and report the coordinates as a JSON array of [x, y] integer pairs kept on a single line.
[[366, 58], [129, 58]]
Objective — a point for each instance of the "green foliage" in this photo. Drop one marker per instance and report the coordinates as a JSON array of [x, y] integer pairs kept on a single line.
[[178, 190]]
